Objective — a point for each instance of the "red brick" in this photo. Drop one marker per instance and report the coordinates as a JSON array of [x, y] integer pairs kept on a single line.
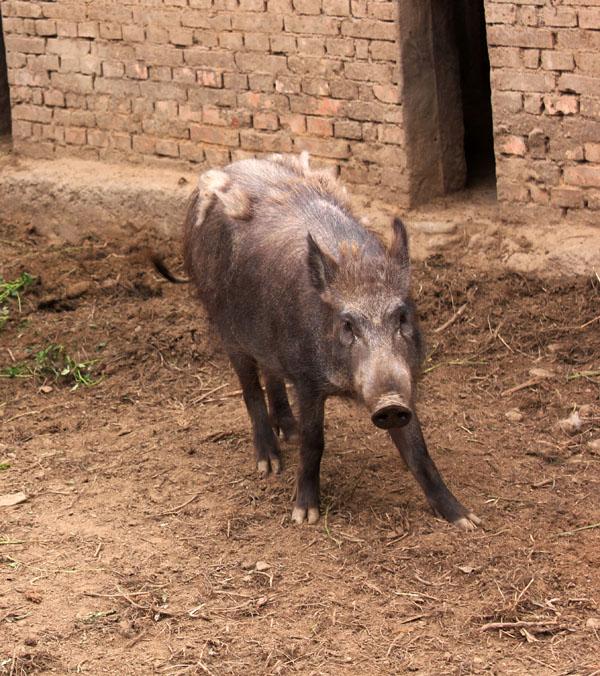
[[136, 70], [283, 44], [294, 122], [111, 31], [561, 105], [370, 29], [386, 11], [250, 5], [336, 7], [321, 25], [257, 42], [554, 60], [15, 43], [393, 134], [181, 36], [566, 197], [72, 82], [340, 46], [523, 81], [384, 51], [589, 17], [319, 126], [188, 150], [216, 135], [530, 58], [505, 57], [75, 135], [532, 103], [260, 82], [207, 59], [144, 145], [588, 63], [559, 16], [265, 142], [318, 87], [266, 120], [580, 84], [231, 40], [21, 129], [32, 113], [54, 97], [369, 72], [133, 33], [347, 129], [512, 145], [592, 152], [520, 37], [334, 148], [269, 23], [500, 13], [167, 147], [313, 47], [261, 63], [45, 27], [307, 6], [583, 175]]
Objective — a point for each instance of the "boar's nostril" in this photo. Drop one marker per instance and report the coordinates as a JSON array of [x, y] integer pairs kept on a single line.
[[390, 417]]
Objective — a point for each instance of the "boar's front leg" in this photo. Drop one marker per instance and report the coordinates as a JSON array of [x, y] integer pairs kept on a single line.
[[282, 418], [268, 456], [411, 444], [312, 443]]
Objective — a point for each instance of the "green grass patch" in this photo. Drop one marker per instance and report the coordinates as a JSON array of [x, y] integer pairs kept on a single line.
[[56, 363], [11, 291]]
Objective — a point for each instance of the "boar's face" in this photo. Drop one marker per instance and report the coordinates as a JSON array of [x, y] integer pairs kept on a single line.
[[374, 333]]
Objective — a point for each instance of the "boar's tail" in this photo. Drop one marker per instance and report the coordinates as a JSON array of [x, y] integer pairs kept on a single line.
[[163, 270]]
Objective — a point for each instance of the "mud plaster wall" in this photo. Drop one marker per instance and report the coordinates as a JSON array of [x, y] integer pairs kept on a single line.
[[199, 82], [545, 60]]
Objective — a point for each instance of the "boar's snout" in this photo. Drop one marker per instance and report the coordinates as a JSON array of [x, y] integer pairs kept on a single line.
[[390, 413]]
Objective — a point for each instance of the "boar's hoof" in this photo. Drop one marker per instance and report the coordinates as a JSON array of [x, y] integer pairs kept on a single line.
[[468, 523], [265, 467], [300, 514]]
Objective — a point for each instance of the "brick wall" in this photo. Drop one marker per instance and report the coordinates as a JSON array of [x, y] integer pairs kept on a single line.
[[545, 59], [207, 81]]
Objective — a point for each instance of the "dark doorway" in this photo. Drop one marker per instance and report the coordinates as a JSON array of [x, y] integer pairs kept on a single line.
[[446, 96], [476, 94], [4, 92]]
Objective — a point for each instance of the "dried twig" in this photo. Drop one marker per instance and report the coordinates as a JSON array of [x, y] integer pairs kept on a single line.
[[522, 386], [564, 533], [174, 510], [542, 624], [452, 319]]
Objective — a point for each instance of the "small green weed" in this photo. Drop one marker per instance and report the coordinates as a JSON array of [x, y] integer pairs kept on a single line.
[[10, 290], [54, 362]]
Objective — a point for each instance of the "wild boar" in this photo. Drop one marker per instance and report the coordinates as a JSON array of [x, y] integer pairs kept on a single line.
[[300, 292]]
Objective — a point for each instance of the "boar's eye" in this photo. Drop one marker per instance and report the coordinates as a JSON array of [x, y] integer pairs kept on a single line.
[[402, 319], [347, 332]]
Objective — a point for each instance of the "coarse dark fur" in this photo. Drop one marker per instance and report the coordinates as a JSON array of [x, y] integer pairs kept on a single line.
[[300, 292]]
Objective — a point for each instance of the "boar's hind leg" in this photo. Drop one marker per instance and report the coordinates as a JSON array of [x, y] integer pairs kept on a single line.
[[282, 418], [409, 441], [265, 442], [312, 442]]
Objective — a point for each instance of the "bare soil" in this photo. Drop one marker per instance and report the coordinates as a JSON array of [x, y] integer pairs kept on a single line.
[[148, 544]]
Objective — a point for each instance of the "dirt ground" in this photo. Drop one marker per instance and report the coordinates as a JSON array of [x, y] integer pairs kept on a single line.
[[148, 545]]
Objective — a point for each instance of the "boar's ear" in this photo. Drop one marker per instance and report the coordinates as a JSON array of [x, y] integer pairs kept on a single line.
[[399, 246], [321, 267]]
